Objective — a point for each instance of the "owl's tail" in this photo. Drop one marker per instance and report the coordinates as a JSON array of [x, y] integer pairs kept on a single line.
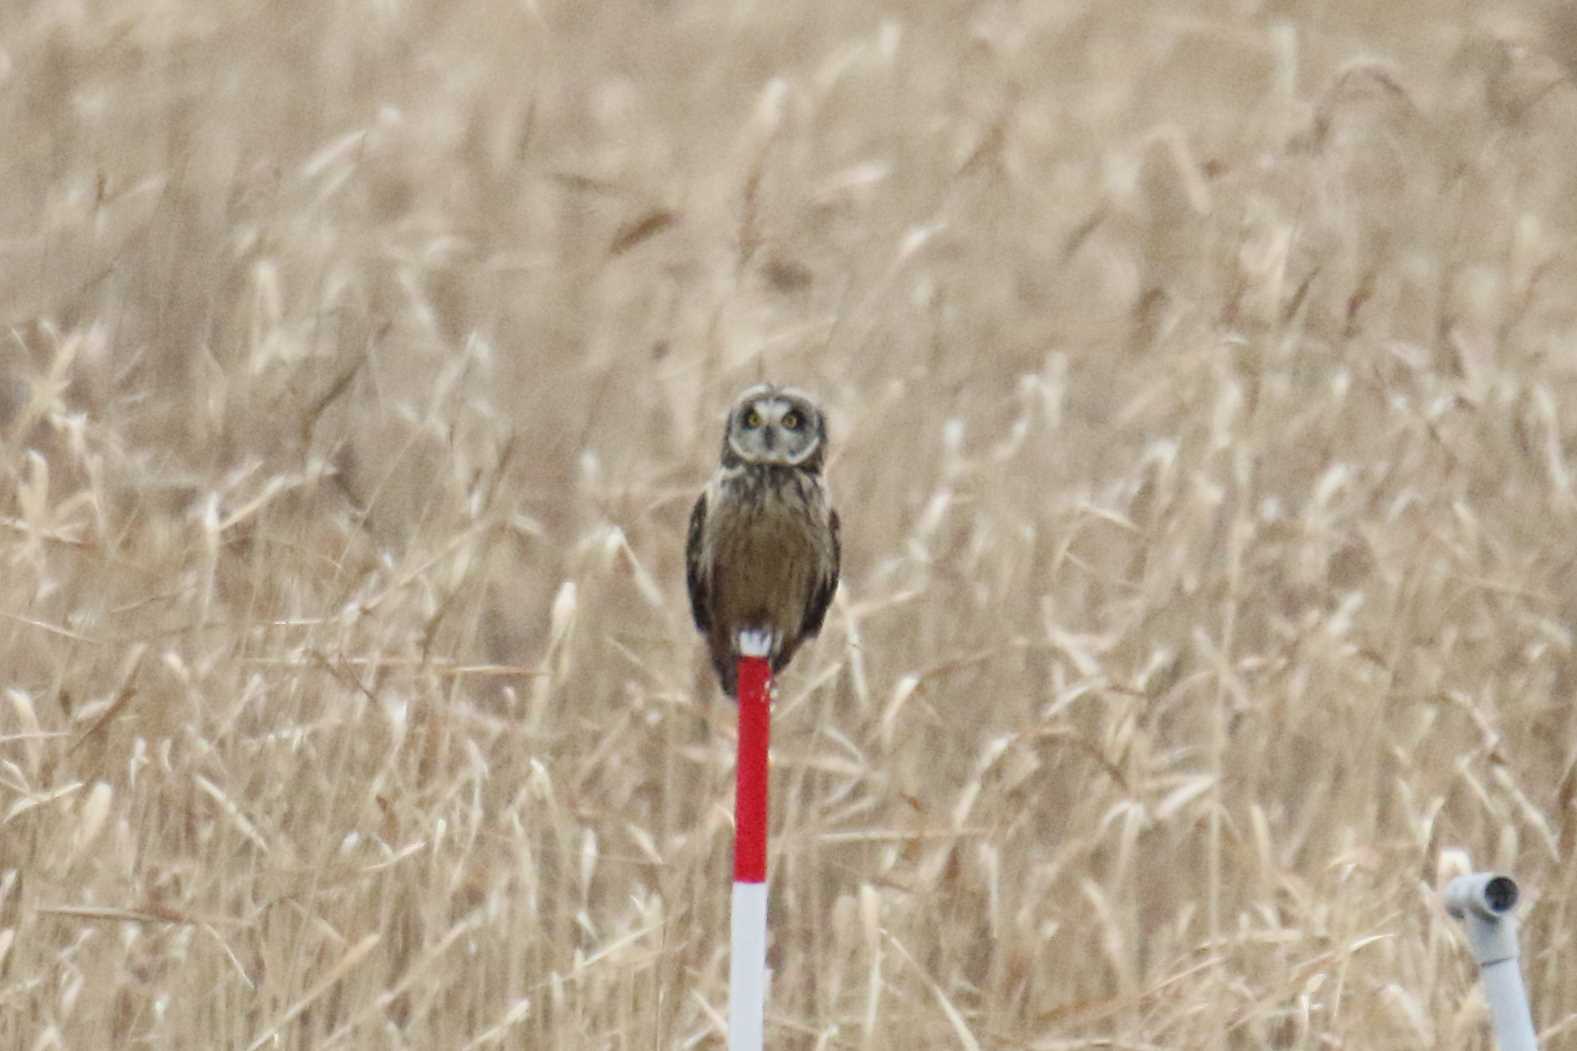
[[727, 674]]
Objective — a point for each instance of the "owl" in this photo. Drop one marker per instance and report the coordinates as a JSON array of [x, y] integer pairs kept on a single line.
[[763, 552]]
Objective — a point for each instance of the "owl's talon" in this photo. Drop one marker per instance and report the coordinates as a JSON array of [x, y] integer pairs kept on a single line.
[[755, 643]]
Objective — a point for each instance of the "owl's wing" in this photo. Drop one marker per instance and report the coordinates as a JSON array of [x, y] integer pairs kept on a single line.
[[826, 583], [694, 572]]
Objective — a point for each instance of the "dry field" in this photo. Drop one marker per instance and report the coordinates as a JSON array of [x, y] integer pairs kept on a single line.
[[1204, 384]]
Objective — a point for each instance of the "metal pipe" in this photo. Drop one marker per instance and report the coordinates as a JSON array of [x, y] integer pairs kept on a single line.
[[1485, 902]]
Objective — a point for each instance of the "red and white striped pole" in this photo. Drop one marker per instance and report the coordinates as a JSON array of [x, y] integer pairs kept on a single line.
[[747, 970]]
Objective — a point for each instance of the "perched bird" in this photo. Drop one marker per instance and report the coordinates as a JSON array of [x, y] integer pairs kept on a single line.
[[763, 552]]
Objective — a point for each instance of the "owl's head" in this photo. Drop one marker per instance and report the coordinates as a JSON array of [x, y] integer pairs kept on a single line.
[[775, 425]]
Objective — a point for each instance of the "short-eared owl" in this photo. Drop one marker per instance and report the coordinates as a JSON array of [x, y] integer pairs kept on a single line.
[[763, 549]]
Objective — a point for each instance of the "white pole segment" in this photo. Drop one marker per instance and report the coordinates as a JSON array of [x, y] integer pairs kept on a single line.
[[1484, 902], [747, 968]]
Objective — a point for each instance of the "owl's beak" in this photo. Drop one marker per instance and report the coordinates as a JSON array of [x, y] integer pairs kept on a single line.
[[768, 437]]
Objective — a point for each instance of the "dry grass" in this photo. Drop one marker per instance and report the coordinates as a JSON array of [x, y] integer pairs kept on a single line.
[[1204, 389]]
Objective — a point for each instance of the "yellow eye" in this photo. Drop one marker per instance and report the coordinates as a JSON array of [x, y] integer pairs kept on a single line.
[[753, 420], [791, 420]]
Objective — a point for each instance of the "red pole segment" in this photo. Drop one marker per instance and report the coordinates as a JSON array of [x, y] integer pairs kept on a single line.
[[750, 791]]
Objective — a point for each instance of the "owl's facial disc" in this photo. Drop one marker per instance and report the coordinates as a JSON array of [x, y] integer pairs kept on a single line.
[[774, 427]]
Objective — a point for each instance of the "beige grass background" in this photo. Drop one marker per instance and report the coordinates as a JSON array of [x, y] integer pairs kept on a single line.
[[1204, 389]]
